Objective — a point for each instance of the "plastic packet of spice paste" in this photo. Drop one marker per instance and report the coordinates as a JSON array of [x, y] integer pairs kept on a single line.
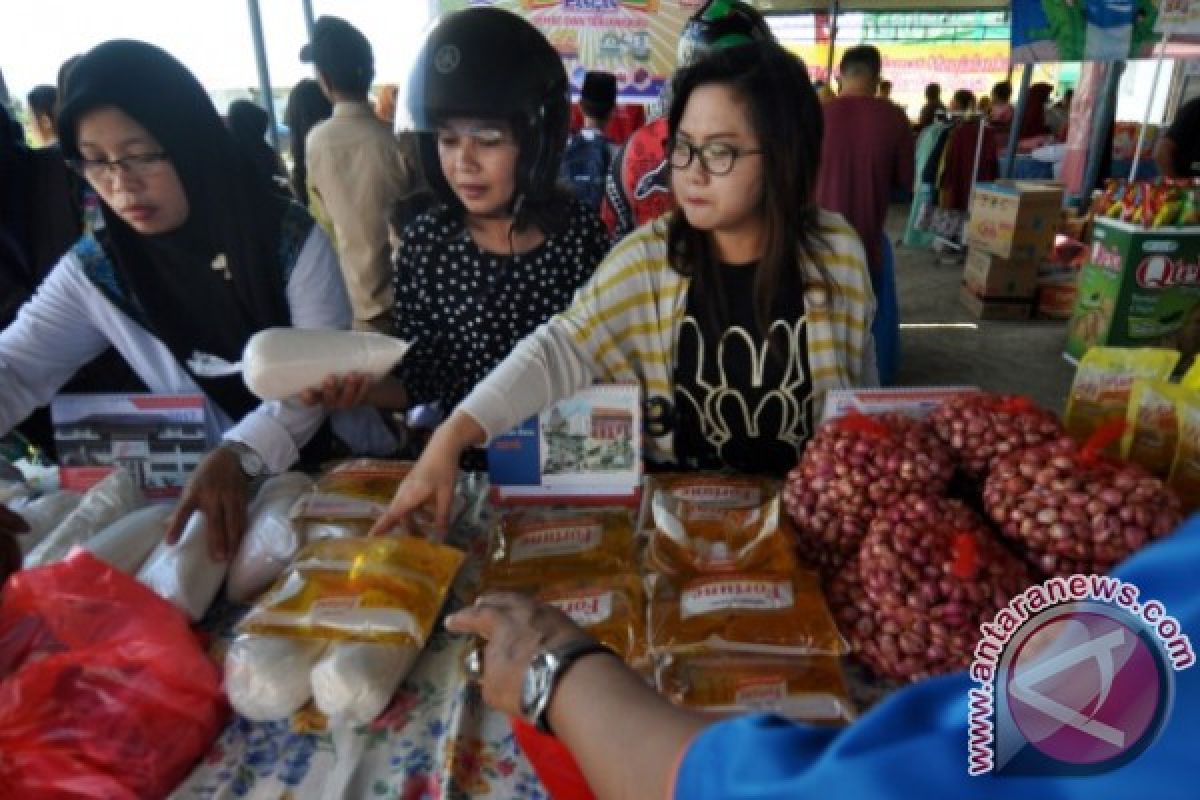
[[379, 589], [719, 524], [611, 608], [348, 499], [803, 688], [1184, 477], [529, 545], [751, 612], [1103, 382], [1152, 430]]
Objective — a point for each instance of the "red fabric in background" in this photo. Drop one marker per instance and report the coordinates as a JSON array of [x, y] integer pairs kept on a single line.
[[960, 160], [626, 118], [867, 152]]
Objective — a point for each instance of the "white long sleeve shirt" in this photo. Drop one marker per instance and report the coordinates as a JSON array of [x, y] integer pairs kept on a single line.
[[69, 321]]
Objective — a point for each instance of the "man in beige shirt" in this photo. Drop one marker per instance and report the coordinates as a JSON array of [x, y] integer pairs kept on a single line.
[[356, 167]]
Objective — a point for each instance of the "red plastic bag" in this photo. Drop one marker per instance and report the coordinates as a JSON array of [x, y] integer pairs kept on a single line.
[[556, 768], [105, 691]]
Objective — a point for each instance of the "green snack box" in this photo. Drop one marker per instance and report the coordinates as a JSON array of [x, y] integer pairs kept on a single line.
[[1139, 288]]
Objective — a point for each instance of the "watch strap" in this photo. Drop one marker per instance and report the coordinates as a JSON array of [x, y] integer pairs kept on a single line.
[[566, 656]]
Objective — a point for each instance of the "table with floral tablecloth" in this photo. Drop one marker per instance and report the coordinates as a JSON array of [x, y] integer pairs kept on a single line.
[[436, 740]]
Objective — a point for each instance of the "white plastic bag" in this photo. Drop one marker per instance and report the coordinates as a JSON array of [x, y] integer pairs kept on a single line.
[[184, 573], [44, 515], [105, 503], [270, 541], [282, 362], [268, 677], [126, 543], [356, 680]]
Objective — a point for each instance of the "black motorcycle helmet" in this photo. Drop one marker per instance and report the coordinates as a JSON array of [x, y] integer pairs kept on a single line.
[[717, 25], [491, 64]]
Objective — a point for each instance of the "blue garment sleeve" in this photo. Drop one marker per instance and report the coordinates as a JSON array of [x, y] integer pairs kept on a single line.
[[914, 744]]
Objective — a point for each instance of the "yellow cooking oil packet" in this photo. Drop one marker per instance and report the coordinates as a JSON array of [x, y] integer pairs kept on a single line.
[[1104, 380], [532, 546], [378, 589], [1152, 425], [1184, 477]]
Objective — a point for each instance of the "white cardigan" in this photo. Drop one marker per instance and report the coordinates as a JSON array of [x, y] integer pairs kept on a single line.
[[69, 321]]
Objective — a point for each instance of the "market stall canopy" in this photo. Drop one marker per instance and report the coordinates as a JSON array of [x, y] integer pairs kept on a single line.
[[845, 6]]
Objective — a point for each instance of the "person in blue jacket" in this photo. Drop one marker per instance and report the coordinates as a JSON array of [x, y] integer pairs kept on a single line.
[[630, 742]]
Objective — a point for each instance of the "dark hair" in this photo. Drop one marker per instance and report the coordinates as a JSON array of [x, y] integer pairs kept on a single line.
[[863, 58], [933, 91], [786, 116], [1002, 91], [963, 99], [306, 106], [43, 100]]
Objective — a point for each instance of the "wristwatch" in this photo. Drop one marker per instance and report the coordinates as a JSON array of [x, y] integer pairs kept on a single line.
[[251, 462], [545, 671]]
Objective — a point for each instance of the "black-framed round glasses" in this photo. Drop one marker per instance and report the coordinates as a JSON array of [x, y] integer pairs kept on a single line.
[[142, 165], [716, 158]]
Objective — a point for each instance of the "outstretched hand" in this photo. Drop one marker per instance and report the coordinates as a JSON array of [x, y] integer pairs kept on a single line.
[[220, 490]]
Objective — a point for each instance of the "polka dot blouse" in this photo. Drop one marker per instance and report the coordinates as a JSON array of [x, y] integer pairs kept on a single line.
[[466, 309]]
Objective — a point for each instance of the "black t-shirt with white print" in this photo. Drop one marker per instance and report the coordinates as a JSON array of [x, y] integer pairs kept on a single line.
[[742, 402], [466, 309]]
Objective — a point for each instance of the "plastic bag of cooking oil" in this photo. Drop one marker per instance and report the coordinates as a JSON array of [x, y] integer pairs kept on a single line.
[[379, 589], [1184, 476], [268, 677], [803, 688], [348, 499], [612, 608], [1152, 425], [1104, 381], [530, 545], [745, 612], [704, 524]]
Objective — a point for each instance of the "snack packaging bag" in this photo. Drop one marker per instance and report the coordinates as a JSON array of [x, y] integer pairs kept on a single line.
[[743, 612], [807, 689], [530, 545], [612, 608], [268, 677], [378, 589], [1104, 381]]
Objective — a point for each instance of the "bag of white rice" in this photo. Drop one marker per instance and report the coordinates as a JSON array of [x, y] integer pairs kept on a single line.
[[271, 540], [105, 503], [126, 543], [45, 514], [267, 677], [356, 680], [185, 573]]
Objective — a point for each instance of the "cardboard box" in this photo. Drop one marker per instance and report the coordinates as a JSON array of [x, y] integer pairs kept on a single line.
[[995, 309], [991, 276], [1015, 219], [1138, 288]]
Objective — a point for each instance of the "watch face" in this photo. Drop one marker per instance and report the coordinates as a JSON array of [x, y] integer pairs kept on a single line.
[[536, 687]]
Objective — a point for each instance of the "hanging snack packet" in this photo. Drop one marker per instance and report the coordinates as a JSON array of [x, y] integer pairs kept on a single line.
[[1152, 425], [1103, 382], [744, 612], [530, 545], [806, 689], [381, 589], [718, 524], [611, 608]]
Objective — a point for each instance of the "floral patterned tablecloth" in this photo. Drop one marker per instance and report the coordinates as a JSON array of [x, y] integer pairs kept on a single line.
[[436, 740]]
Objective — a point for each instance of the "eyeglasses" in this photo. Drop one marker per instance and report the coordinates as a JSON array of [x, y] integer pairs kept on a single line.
[[142, 165], [716, 158]]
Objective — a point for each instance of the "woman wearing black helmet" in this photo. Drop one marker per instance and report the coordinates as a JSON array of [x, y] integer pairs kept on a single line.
[[505, 248]]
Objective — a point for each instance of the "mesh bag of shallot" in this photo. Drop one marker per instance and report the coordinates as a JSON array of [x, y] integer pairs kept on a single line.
[[982, 427], [930, 573], [855, 466], [1075, 510]]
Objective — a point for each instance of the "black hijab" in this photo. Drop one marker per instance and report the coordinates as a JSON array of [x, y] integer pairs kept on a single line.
[[169, 279]]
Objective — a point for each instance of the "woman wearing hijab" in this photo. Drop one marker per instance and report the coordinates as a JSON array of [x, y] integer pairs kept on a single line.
[[248, 123], [196, 254]]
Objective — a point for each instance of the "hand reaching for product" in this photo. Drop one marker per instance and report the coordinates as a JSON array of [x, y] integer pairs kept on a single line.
[[220, 489], [431, 482], [515, 628], [340, 391]]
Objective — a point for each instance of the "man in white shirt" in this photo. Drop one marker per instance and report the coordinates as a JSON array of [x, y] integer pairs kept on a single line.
[[356, 167]]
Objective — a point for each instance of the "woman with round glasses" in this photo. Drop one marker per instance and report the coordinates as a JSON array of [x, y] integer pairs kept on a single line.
[[735, 314], [196, 254]]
